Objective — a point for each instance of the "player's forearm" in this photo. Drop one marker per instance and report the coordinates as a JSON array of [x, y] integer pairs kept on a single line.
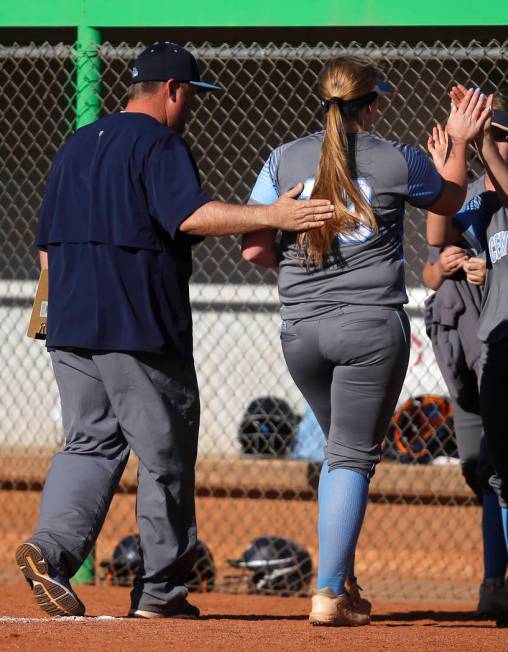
[[259, 248], [263, 257], [496, 168], [43, 259], [454, 173], [440, 230], [217, 218], [455, 167], [433, 275]]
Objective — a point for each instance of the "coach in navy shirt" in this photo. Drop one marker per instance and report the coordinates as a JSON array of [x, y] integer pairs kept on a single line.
[[122, 207], [126, 182]]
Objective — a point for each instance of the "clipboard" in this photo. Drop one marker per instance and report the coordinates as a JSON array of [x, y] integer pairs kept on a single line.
[[39, 317]]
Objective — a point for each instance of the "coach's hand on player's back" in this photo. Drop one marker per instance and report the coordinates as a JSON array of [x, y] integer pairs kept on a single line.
[[469, 115], [292, 214], [287, 214]]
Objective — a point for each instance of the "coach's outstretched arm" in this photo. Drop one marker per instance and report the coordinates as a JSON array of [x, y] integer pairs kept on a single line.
[[287, 214]]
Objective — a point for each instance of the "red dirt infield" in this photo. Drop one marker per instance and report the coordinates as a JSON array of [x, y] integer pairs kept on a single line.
[[240, 622]]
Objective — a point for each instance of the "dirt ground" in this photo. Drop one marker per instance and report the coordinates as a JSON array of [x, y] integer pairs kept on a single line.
[[406, 552], [233, 622]]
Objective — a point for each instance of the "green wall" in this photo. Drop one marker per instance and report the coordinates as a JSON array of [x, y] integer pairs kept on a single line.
[[235, 13]]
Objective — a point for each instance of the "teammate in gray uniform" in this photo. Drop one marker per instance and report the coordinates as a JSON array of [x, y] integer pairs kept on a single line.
[[483, 222], [451, 315], [345, 336]]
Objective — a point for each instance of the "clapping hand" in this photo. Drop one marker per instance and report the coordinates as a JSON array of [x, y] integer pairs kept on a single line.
[[457, 95], [438, 146], [469, 114]]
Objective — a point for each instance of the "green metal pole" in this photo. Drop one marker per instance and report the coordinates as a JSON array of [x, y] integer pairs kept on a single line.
[[88, 106], [88, 75]]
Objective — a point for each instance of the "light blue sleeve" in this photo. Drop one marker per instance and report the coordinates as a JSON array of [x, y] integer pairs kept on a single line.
[[266, 189], [424, 183], [472, 222]]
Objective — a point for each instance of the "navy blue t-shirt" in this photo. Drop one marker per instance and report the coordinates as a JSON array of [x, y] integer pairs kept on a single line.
[[119, 266]]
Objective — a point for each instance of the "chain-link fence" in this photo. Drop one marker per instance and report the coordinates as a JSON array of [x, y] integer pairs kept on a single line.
[[259, 446]]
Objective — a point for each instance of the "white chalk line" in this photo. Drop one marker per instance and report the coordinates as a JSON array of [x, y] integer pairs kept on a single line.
[[60, 619]]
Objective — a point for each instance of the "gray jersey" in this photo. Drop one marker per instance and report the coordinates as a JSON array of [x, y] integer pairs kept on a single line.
[[365, 267], [484, 223]]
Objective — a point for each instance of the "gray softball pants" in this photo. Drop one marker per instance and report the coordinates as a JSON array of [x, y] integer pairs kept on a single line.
[[462, 383], [474, 459], [112, 402], [350, 368]]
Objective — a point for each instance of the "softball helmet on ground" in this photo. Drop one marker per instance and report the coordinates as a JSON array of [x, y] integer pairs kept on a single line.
[[279, 566]]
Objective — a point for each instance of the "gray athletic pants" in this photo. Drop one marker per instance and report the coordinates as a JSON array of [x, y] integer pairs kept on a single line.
[[473, 455], [462, 383], [112, 402], [350, 368]]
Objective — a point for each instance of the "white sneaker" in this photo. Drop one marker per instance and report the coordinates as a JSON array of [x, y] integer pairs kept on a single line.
[[334, 610]]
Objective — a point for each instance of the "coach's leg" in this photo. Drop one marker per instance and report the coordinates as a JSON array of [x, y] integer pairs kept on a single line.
[[157, 403], [83, 477]]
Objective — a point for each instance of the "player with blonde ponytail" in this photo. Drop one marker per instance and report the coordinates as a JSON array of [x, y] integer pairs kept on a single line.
[[356, 78], [345, 336]]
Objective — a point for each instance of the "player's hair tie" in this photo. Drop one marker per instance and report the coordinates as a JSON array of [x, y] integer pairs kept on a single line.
[[348, 107], [326, 104]]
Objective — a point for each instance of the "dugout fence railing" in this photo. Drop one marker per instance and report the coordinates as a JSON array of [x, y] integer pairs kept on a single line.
[[255, 476]]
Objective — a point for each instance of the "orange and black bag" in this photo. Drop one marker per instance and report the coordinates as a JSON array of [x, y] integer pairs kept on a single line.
[[422, 430]]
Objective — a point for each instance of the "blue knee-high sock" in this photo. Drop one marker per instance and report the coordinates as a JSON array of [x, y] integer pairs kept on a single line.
[[342, 501], [495, 556]]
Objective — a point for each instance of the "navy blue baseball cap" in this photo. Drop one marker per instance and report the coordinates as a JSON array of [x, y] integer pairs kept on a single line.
[[163, 61]]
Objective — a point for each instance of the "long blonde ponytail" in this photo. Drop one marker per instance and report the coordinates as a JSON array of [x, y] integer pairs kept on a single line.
[[346, 78]]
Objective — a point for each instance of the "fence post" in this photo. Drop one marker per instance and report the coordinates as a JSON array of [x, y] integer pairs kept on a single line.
[[88, 75], [88, 106]]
